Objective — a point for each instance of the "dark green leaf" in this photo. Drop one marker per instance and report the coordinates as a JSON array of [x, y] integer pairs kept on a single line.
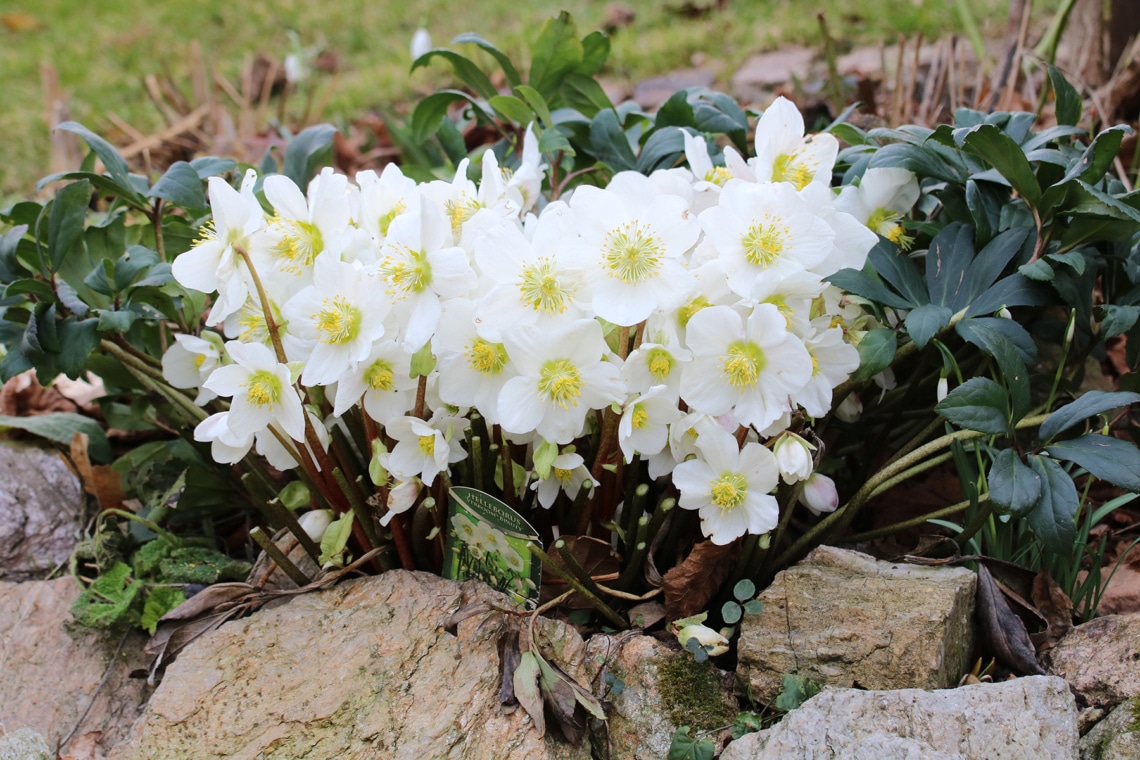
[[662, 150], [65, 223], [512, 109], [1012, 347], [1038, 271], [70, 299], [10, 266], [211, 166], [924, 322], [951, 253], [584, 94], [754, 607], [99, 181], [595, 51], [180, 185], [430, 111], [1053, 518], [1088, 405], [310, 149], [676, 111], [985, 210], [744, 590], [78, 338], [978, 404], [686, 747], [1008, 292], [894, 267], [1005, 155], [556, 52], [28, 286], [115, 164], [867, 285], [1092, 166], [876, 352], [1074, 259], [46, 328], [509, 70], [1014, 488], [917, 159], [464, 68], [61, 427], [1108, 458], [451, 139], [551, 141], [1117, 320], [988, 265], [609, 143], [116, 321], [161, 600], [130, 264], [538, 103]]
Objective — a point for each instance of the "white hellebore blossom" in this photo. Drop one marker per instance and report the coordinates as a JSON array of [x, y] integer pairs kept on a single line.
[[421, 451], [644, 425], [472, 369], [784, 154], [819, 494], [880, 201], [262, 391], [567, 473], [793, 457], [190, 360], [384, 378], [729, 486]]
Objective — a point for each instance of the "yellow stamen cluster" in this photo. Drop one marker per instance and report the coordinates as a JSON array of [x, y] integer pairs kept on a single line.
[[792, 167], [386, 221], [742, 364], [338, 321], [563, 475], [486, 358], [686, 312], [409, 272], [888, 224], [718, 175], [560, 382], [728, 491], [263, 388], [379, 376], [660, 363], [539, 288], [764, 243], [632, 253], [427, 445], [459, 211], [298, 244], [640, 418]]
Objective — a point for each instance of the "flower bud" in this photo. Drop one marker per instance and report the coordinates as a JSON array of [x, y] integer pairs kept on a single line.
[[713, 642], [943, 388], [850, 409], [819, 494], [421, 43], [793, 458], [315, 522], [401, 499], [1004, 313]]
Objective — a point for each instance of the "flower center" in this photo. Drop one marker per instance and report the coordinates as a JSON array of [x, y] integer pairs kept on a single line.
[[728, 491], [338, 321], [263, 388], [640, 418], [763, 243], [299, 244], [789, 168], [487, 358], [540, 289], [563, 475], [199, 360], [408, 272], [459, 211], [686, 312], [633, 253], [742, 364], [427, 445], [718, 175], [886, 223], [385, 221], [660, 363], [560, 382], [378, 376]]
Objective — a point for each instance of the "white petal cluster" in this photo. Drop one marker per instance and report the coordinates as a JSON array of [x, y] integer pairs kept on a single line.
[[715, 276]]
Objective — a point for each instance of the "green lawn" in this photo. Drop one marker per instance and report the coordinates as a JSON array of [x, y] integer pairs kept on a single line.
[[102, 50]]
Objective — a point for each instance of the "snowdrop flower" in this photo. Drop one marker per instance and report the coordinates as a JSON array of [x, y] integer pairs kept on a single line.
[[793, 457], [880, 201], [421, 43], [635, 239], [567, 473], [421, 451], [751, 367], [213, 263], [644, 425], [340, 316], [190, 360], [819, 494], [561, 377], [943, 388], [784, 154], [383, 378], [262, 391], [315, 522], [729, 487]]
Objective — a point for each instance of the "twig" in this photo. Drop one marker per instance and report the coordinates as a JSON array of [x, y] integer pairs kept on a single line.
[[274, 553]]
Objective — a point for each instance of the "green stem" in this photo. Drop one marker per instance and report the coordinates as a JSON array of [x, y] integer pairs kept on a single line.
[[908, 474], [167, 536], [548, 563], [913, 522], [274, 553]]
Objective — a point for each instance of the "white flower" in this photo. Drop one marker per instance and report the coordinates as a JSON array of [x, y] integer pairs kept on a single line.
[[315, 522], [190, 360], [383, 378], [850, 409], [567, 473], [472, 369], [729, 487], [752, 368], [420, 45], [421, 450], [644, 425], [713, 641], [561, 377], [340, 316], [463, 528], [262, 391], [284, 457], [635, 239], [832, 361], [383, 198], [401, 498], [783, 154], [526, 180], [943, 388], [708, 177], [792, 295], [880, 201], [819, 494], [226, 446], [213, 264], [793, 457]]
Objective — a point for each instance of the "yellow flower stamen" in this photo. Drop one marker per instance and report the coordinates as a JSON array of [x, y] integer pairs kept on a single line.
[[427, 445], [660, 363], [887, 223], [790, 167], [459, 211], [686, 312], [718, 175], [540, 289], [632, 253], [563, 475], [379, 376], [412, 275], [386, 221], [338, 321], [742, 364], [560, 382], [728, 491], [199, 360], [764, 243], [640, 418], [263, 388], [299, 243], [486, 358]]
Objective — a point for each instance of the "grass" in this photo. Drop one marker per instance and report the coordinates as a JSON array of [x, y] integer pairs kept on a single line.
[[102, 51]]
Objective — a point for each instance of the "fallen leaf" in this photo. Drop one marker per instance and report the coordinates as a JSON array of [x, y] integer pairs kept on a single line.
[[509, 656], [527, 690], [646, 614], [101, 481], [1055, 606], [1001, 631], [691, 584]]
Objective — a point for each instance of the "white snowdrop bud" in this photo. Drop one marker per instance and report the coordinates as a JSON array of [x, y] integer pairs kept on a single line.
[[421, 43], [943, 388], [850, 409]]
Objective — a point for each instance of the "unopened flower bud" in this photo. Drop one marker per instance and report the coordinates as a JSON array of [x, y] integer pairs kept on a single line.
[[1004, 313], [421, 43], [316, 522], [943, 388], [401, 499], [886, 379], [793, 458], [819, 494], [850, 409], [713, 642]]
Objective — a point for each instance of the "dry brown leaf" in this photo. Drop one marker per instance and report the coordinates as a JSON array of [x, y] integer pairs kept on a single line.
[[692, 584], [646, 614], [1055, 607], [23, 396], [101, 481], [1003, 632], [527, 690]]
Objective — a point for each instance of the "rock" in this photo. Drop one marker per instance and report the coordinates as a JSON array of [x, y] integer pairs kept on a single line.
[[41, 510], [361, 670], [654, 689], [1116, 737], [1024, 718], [757, 80], [1101, 659], [842, 618], [24, 744], [652, 92], [48, 674]]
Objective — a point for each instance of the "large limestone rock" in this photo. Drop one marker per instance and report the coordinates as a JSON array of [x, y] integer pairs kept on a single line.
[[41, 510], [24, 744], [845, 619], [653, 690], [49, 675], [1101, 659], [361, 670], [1033, 717], [1116, 737]]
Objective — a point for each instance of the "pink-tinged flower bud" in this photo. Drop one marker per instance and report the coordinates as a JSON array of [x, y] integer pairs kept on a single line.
[[793, 458], [819, 494], [850, 409], [713, 642], [943, 388], [316, 522], [401, 499]]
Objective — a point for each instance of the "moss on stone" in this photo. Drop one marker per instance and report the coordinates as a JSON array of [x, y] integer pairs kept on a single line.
[[692, 693], [1134, 711]]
